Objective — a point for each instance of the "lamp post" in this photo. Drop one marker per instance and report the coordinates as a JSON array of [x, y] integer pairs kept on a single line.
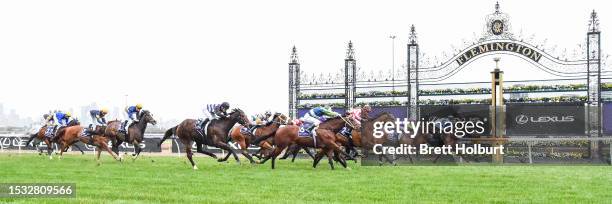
[[392, 66]]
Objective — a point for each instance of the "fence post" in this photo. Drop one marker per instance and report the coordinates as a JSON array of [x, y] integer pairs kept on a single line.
[[529, 150]]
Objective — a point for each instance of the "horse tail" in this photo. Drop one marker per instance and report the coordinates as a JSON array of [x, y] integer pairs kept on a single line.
[[32, 136], [168, 133]]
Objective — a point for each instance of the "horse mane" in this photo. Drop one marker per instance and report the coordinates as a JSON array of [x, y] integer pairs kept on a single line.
[[236, 110], [382, 114]]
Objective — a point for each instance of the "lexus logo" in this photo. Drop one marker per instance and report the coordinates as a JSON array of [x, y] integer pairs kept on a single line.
[[523, 119]]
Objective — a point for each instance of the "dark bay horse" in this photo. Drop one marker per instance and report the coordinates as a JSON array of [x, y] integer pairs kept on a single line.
[[244, 140], [135, 133], [285, 136], [216, 134], [73, 134]]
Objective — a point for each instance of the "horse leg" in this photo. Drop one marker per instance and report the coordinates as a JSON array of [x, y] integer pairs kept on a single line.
[[227, 155], [116, 144], [291, 150], [341, 160], [62, 146], [330, 156], [317, 158], [137, 148], [256, 154], [49, 148], [275, 154], [200, 150], [98, 151], [295, 153], [190, 157], [226, 147], [79, 149]]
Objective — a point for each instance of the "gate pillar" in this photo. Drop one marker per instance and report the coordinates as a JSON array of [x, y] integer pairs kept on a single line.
[[594, 83]]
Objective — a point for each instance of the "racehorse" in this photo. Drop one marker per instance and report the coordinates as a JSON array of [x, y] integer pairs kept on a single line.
[[135, 133], [40, 135], [368, 141], [70, 135], [325, 139], [244, 140], [419, 138], [216, 134]]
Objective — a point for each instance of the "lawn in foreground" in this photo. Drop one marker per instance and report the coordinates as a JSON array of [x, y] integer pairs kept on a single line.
[[171, 180]]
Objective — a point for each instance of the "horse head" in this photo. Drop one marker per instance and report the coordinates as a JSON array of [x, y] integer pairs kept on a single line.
[[238, 116], [73, 122], [147, 117]]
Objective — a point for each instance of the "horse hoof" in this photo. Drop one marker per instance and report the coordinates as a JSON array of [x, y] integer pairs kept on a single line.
[[220, 160], [348, 168], [195, 167]]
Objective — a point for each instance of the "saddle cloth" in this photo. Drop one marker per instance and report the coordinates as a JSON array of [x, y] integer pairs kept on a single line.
[[303, 132]]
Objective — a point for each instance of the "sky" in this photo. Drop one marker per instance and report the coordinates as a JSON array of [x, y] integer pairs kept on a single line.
[[176, 56]]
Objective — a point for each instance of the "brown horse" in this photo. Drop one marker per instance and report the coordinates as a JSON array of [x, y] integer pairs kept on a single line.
[[285, 136], [368, 141], [73, 134], [135, 133], [244, 140], [216, 134], [419, 138], [40, 135]]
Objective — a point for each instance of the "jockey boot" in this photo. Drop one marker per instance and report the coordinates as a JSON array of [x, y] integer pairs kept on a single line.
[[311, 129], [123, 128]]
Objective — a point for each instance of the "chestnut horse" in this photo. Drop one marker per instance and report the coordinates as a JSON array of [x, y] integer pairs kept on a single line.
[[135, 133], [73, 134], [368, 141], [216, 134], [244, 140], [40, 135], [285, 136]]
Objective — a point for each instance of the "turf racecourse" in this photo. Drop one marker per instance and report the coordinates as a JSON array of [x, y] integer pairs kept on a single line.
[[171, 180]]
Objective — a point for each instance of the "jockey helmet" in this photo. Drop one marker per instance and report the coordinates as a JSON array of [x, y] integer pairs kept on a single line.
[[104, 110], [139, 106], [68, 114], [225, 105]]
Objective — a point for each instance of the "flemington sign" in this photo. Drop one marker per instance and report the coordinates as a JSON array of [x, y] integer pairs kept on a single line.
[[499, 47]]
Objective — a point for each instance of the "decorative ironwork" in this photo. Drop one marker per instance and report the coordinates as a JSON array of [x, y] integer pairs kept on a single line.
[[497, 26], [412, 75], [294, 83], [593, 56], [350, 78]]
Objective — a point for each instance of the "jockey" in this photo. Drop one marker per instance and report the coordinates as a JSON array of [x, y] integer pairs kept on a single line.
[[216, 111], [132, 115], [45, 118], [317, 114], [59, 119], [97, 117], [213, 111], [260, 120]]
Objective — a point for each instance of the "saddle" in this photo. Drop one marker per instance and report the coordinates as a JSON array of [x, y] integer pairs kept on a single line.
[[201, 126], [245, 130]]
